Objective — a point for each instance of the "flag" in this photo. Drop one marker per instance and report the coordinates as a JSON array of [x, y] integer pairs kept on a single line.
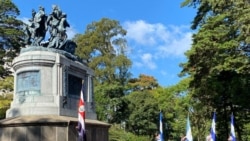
[[188, 132], [81, 117], [212, 132], [161, 129], [232, 134]]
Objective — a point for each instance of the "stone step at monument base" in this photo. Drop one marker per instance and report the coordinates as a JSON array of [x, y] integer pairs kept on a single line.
[[50, 128]]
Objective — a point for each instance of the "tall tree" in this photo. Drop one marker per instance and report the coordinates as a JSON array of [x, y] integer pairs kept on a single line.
[[104, 47], [10, 34], [143, 113], [219, 60]]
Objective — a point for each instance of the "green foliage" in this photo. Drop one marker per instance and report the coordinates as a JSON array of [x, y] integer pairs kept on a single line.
[[6, 86], [246, 135], [219, 63], [5, 101], [11, 34], [109, 106], [144, 82], [7, 83], [104, 47], [175, 102], [144, 113], [118, 134]]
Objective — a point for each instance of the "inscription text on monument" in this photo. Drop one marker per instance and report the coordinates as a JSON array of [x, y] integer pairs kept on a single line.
[[28, 83]]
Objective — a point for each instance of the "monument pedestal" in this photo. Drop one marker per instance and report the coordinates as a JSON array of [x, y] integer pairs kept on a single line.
[[47, 86], [48, 81]]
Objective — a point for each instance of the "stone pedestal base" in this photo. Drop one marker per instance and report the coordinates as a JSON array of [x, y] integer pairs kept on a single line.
[[50, 128]]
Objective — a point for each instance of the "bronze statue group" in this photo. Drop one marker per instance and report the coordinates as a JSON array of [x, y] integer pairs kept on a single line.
[[56, 23]]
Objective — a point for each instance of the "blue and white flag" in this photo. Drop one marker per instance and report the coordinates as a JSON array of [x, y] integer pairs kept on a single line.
[[232, 134], [189, 136], [212, 132], [161, 128]]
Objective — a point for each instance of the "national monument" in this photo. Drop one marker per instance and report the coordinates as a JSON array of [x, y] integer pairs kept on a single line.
[[48, 79]]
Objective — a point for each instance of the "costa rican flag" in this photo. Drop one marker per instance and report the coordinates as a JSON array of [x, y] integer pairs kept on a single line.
[[212, 132], [81, 117]]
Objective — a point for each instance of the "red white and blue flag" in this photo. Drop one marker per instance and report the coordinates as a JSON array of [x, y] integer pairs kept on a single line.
[[81, 117]]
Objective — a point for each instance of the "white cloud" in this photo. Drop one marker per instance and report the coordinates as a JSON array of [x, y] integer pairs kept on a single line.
[[137, 64], [148, 61], [164, 73], [71, 32], [154, 42], [145, 62], [25, 20], [172, 40], [144, 33], [176, 47]]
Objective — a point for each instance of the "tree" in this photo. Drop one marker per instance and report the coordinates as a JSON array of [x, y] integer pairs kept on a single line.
[[175, 104], [144, 82], [143, 113], [7, 84], [219, 61], [6, 95], [5, 100], [116, 133], [110, 109], [10, 34], [104, 47]]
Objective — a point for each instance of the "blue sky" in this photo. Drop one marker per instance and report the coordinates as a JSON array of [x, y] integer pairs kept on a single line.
[[158, 31]]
